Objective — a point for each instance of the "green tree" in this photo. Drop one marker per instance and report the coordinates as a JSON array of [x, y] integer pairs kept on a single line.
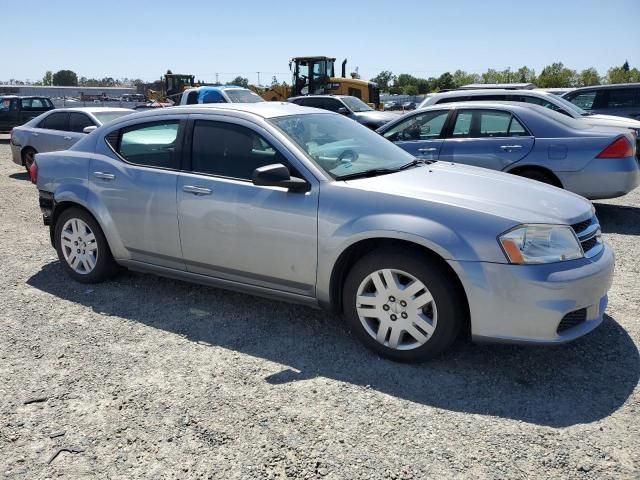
[[525, 75], [625, 66], [445, 81], [65, 78], [460, 78], [557, 75], [384, 80], [423, 86], [410, 90], [48, 78], [240, 81], [588, 77]]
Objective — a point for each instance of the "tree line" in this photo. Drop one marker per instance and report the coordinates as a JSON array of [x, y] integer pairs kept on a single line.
[[555, 75]]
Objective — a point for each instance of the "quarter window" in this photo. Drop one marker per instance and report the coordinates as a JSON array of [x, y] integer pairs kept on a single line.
[[55, 121], [33, 104], [425, 126], [78, 122], [229, 150], [150, 144]]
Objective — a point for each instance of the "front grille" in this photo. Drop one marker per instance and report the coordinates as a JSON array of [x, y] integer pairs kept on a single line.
[[589, 235], [572, 319]]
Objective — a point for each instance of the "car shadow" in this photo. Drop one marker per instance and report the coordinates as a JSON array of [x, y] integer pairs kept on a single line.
[[20, 176], [621, 219], [581, 382]]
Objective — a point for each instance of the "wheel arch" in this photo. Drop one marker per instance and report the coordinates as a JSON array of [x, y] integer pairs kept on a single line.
[[23, 150], [518, 170], [359, 249]]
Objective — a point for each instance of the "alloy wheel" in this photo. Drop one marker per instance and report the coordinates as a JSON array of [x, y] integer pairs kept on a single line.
[[396, 309], [79, 246]]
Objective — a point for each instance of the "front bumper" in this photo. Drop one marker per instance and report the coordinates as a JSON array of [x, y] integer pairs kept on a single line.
[[16, 154], [603, 178], [526, 303]]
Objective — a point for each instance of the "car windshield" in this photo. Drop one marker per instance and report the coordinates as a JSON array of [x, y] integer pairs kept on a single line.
[[106, 117], [340, 146], [356, 105], [570, 106], [243, 96]]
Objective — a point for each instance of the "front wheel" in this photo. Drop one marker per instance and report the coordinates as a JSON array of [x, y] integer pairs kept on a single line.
[[402, 306], [82, 247]]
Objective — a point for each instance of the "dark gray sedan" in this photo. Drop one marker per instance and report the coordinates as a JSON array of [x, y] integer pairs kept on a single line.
[[526, 140], [348, 106]]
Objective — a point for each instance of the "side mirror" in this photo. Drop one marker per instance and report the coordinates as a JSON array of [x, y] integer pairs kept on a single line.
[[89, 129], [343, 111], [277, 175]]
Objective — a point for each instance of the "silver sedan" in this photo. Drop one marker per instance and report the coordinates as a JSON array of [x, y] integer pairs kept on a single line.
[[58, 129], [308, 206]]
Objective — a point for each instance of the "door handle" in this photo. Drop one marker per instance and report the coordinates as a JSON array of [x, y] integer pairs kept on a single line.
[[196, 190], [427, 150], [67, 138], [510, 147], [104, 175], [35, 134]]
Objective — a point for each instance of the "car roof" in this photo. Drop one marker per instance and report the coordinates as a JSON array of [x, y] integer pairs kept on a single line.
[[23, 96], [259, 109], [217, 88], [494, 91], [610, 85], [92, 109], [322, 96], [512, 106]]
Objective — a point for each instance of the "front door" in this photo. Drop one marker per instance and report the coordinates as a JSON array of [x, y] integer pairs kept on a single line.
[[51, 133], [420, 134], [486, 138], [137, 188], [234, 230]]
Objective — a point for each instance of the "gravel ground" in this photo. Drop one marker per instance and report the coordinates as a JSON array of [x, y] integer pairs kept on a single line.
[[145, 377]]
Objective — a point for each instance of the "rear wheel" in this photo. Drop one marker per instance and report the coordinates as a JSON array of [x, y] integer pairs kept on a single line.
[[28, 157], [402, 306], [82, 247], [539, 176]]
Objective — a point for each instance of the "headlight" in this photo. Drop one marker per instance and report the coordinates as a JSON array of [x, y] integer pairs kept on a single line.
[[540, 244]]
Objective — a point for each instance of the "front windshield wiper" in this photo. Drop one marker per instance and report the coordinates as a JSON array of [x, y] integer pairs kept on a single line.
[[384, 171], [416, 162]]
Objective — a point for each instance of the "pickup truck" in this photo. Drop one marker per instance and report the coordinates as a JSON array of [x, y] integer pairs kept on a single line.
[[15, 110], [219, 94]]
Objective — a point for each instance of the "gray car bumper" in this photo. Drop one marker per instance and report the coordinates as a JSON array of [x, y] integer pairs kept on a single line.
[[603, 178], [526, 303], [16, 154]]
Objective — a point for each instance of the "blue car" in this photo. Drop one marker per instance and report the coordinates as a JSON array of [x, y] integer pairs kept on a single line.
[[526, 140]]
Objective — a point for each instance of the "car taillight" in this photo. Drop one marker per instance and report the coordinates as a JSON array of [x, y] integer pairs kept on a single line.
[[621, 148], [33, 172]]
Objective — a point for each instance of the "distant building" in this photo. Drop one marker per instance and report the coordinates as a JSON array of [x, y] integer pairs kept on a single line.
[[84, 93]]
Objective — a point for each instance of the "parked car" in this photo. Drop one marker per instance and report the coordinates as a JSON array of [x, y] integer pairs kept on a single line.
[[58, 129], [308, 206], [222, 94], [409, 106], [351, 107], [535, 97], [618, 99], [526, 140], [15, 110], [391, 106]]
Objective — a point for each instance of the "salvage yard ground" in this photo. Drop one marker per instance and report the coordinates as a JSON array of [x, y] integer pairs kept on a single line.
[[145, 377]]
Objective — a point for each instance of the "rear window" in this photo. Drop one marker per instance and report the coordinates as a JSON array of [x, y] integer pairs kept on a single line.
[[243, 96], [106, 117]]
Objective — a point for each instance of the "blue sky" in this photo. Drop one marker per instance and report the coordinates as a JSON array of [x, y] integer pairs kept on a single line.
[[141, 39]]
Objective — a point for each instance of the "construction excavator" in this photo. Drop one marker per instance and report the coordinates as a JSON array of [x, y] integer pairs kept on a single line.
[[173, 84], [316, 76]]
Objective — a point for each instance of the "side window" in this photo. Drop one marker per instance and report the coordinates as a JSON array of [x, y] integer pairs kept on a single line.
[[38, 104], [494, 124], [78, 121], [516, 129], [332, 105], [55, 121], [5, 105], [462, 128], [150, 144], [425, 126], [583, 100], [192, 97], [230, 150], [25, 104], [314, 102], [622, 98], [211, 96]]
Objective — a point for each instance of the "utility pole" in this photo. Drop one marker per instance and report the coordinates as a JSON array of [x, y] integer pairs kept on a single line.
[[217, 78], [258, 78]]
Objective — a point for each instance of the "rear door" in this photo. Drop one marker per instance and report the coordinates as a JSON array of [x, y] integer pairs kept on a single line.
[[421, 134], [78, 121], [51, 134], [486, 138], [136, 182]]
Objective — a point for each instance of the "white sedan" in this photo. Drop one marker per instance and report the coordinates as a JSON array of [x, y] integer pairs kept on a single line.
[[58, 129]]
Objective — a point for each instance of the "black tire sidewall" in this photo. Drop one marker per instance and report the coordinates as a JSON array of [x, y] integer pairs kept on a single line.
[[537, 176], [443, 288], [105, 267], [25, 152]]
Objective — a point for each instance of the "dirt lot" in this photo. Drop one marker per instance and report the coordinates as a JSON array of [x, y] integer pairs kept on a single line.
[[145, 377]]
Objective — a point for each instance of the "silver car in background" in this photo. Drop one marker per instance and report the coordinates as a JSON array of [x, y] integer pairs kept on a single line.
[[308, 206], [526, 140], [58, 129]]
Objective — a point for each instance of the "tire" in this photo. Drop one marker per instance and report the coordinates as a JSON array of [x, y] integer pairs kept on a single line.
[[538, 176], [28, 157], [82, 247], [396, 312]]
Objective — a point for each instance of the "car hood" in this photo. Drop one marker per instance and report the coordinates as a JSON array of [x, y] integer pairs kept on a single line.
[[611, 121], [478, 189], [376, 117]]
